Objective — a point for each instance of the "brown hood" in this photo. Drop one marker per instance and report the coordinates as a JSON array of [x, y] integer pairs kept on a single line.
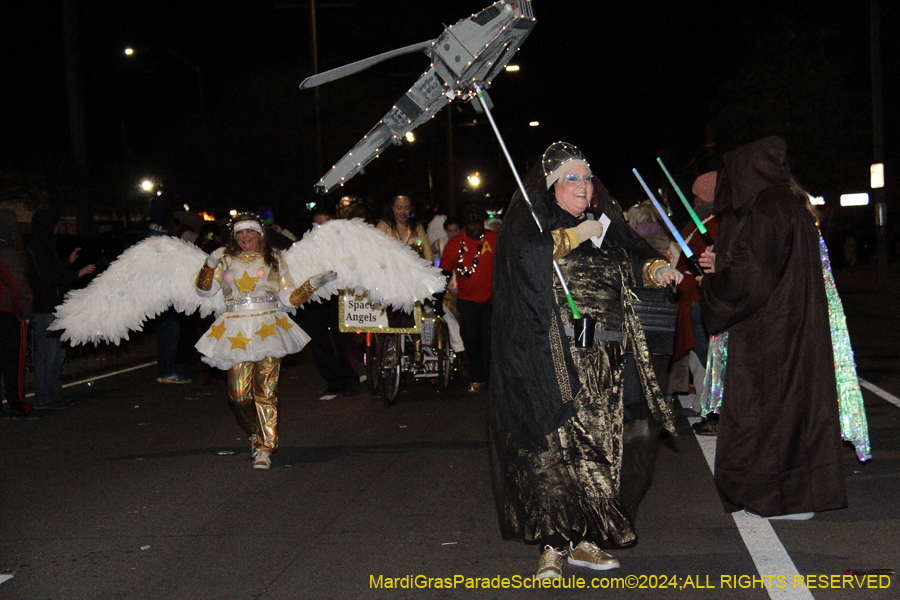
[[750, 169]]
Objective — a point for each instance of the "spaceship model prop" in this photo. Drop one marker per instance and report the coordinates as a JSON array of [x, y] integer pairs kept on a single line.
[[465, 58]]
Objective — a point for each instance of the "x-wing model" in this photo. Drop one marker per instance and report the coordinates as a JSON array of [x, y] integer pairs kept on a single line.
[[468, 54]]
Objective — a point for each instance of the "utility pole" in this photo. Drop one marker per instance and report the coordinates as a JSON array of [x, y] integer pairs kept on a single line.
[[878, 142], [73, 83], [317, 97], [451, 176]]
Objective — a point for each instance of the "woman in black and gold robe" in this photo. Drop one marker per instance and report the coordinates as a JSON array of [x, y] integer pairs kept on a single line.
[[559, 412]]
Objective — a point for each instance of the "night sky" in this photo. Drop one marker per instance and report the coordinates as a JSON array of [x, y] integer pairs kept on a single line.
[[209, 105]]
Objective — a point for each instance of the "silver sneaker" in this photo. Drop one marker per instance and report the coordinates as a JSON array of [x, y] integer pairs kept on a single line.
[[261, 459]]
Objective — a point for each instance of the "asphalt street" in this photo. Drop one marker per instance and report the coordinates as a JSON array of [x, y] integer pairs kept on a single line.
[[145, 491]]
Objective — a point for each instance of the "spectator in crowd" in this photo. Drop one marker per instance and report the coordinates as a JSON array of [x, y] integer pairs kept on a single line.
[[168, 327], [15, 312], [331, 348], [279, 237], [49, 277]]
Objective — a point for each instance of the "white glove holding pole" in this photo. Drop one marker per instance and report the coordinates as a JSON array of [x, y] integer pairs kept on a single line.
[[587, 230]]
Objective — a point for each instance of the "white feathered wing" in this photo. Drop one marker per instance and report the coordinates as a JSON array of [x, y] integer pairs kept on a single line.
[[144, 281], [366, 261]]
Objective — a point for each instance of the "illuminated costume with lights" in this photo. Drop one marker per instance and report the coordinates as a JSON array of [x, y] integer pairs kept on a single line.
[[255, 333], [574, 429], [778, 450]]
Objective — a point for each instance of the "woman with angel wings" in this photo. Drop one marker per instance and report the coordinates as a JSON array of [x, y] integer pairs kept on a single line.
[[254, 334], [251, 288]]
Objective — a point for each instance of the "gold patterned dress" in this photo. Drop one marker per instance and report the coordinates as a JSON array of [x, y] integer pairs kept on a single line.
[[569, 478]]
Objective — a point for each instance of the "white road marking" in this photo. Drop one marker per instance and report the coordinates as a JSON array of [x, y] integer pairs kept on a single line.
[[766, 550], [5, 578], [880, 392]]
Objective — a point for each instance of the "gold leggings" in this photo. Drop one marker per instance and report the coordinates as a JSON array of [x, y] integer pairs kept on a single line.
[[252, 395]]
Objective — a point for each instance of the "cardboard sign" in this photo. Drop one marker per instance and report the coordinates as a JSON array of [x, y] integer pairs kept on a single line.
[[358, 314]]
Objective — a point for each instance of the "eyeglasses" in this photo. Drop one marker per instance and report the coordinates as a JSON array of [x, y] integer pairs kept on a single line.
[[573, 178]]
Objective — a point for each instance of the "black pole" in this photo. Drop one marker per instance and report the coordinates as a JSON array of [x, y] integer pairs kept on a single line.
[[878, 143], [451, 176], [317, 97]]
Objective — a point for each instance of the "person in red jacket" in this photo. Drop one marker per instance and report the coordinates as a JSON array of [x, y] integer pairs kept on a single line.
[[471, 256]]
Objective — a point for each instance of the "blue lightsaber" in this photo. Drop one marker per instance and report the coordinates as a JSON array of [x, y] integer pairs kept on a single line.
[[688, 253]]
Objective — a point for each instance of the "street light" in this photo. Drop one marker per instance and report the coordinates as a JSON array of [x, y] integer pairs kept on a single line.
[[474, 179], [147, 185]]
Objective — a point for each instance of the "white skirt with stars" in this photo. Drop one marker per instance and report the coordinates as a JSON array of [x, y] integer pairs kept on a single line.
[[240, 336]]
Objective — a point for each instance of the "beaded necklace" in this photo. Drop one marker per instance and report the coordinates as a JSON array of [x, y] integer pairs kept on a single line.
[[462, 270]]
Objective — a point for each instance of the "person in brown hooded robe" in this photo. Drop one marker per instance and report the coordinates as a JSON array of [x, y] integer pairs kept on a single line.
[[778, 451]]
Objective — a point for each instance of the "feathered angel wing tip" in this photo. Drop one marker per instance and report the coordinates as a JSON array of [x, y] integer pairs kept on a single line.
[[143, 282], [366, 260], [436, 229]]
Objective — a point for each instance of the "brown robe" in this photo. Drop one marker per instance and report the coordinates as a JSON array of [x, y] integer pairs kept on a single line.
[[779, 440]]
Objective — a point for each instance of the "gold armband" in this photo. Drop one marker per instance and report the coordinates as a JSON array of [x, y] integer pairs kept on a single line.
[[564, 241], [301, 294], [650, 268], [205, 278]]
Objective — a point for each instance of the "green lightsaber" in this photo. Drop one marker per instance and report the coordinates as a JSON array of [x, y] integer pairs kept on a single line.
[[706, 237]]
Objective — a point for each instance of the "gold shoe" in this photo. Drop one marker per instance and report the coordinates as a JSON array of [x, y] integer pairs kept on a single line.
[[550, 565], [589, 555]]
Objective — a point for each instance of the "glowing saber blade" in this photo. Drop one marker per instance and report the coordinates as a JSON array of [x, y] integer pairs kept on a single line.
[[688, 253], [706, 237]]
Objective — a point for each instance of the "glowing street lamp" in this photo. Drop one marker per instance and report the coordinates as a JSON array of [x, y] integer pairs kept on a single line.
[[474, 180], [410, 137], [147, 185]]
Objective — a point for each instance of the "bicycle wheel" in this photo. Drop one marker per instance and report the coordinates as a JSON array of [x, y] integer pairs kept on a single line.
[[444, 356], [373, 362], [390, 355]]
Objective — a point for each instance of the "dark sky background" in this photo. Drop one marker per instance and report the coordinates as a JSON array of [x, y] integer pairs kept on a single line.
[[625, 81]]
